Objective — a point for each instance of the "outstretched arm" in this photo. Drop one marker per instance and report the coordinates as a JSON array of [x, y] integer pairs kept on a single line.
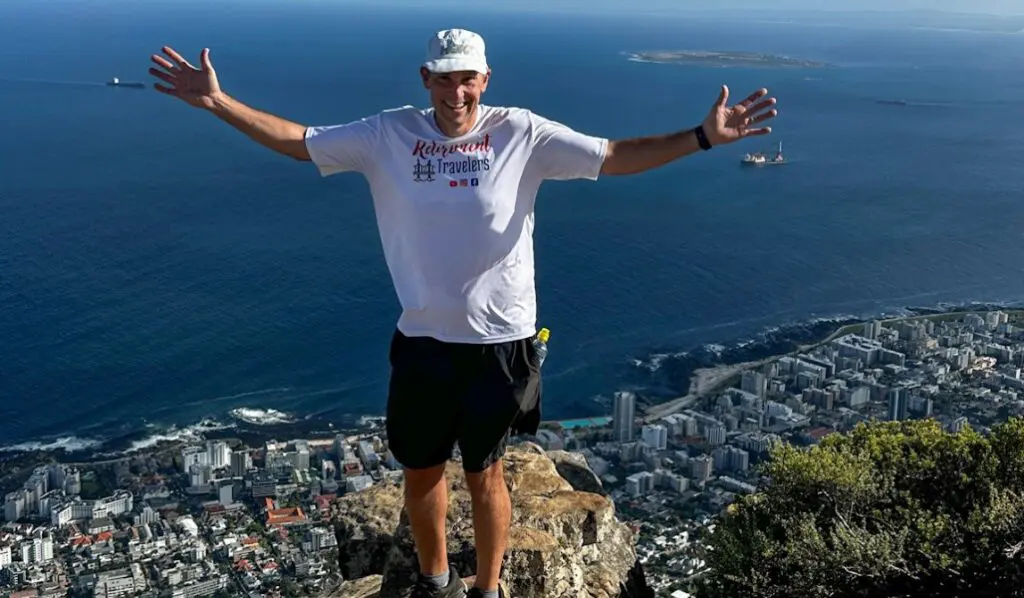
[[199, 87], [724, 124], [282, 136]]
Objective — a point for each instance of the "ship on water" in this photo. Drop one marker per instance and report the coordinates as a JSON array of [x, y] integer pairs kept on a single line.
[[115, 82], [762, 159]]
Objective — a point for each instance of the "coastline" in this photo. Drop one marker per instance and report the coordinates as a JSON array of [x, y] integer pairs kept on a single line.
[[710, 379], [697, 373]]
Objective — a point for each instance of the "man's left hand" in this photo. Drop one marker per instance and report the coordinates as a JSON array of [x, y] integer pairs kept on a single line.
[[726, 124]]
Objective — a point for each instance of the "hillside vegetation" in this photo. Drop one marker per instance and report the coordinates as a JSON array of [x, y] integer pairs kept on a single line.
[[890, 509]]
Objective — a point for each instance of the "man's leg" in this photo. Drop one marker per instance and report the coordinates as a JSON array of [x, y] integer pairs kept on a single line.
[[506, 378], [492, 517], [421, 432], [426, 501]]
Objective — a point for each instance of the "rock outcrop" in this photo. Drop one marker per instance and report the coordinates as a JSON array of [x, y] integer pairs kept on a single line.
[[565, 540]]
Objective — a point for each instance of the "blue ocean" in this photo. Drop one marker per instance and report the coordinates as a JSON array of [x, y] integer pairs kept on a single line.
[[158, 268]]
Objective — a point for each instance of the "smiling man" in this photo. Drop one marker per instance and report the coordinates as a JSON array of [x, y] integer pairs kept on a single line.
[[453, 189]]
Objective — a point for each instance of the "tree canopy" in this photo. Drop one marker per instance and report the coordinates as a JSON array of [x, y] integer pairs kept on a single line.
[[895, 509]]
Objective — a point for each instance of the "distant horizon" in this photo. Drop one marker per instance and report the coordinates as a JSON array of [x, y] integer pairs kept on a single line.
[[972, 8], [992, 8]]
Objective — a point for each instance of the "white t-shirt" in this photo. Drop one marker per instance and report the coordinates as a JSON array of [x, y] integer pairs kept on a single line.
[[456, 215]]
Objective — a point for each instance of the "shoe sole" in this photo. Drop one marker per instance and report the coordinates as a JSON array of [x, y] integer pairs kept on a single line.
[[502, 588]]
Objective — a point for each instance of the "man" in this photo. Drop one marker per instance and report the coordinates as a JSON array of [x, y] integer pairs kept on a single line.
[[453, 188]]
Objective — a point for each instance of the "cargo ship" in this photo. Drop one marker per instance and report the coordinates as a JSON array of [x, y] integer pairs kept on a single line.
[[115, 82]]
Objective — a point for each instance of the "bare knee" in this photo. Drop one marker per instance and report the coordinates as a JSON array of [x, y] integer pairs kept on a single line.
[[421, 482], [487, 482]]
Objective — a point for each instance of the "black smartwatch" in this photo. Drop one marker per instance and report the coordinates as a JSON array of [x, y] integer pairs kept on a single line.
[[702, 138]]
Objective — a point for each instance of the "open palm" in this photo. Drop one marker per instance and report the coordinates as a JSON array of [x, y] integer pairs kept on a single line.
[[197, 86], [725, 124]]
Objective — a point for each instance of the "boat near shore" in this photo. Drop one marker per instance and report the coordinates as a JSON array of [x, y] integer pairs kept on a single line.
[[762, 159]]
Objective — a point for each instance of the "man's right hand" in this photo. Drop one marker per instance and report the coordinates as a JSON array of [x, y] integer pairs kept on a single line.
[[197, 86]]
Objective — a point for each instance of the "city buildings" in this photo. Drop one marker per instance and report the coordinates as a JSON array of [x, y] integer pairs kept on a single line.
[[254, 521]]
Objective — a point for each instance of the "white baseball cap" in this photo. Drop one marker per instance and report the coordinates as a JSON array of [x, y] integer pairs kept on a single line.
[[456, 50]]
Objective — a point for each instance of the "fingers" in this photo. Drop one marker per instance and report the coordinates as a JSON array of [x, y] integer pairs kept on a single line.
[[761, 131], [164, 89], [761, 106], [177, 58], [757, 95], [762, 117], [723, 96], [204, 59], [163, 76], [161, 61]]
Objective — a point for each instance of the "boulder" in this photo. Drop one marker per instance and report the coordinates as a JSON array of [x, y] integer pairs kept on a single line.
[[565, 542], [573, 467]]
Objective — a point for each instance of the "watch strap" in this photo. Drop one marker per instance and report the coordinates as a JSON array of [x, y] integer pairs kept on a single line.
[[702, 138]]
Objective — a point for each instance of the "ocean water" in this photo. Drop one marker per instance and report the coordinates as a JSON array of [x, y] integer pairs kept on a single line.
[[157, 267]]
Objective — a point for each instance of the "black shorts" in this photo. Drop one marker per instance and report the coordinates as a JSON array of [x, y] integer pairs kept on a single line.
[[443, 393]]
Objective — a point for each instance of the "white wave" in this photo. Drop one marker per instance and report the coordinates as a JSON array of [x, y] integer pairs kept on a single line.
[[174, 434], [261, 417], [654, 362], [70, 444]]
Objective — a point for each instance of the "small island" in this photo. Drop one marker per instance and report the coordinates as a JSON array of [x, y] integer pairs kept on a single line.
[[722, 59]]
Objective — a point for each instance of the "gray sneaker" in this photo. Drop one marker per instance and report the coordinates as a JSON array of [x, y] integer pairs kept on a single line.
[[456, 588]]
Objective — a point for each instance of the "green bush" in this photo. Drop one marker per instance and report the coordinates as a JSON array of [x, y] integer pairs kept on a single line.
[[889, 509]]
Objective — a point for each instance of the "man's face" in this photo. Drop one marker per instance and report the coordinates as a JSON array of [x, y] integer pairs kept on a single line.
[[455, 97]]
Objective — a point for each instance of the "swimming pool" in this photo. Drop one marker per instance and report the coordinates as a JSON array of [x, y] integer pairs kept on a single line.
[[585, 422]]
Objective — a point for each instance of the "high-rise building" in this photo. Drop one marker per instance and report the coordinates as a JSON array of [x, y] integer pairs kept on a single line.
[[199, 475], [655, 436], [639, 484], [623, 415], [300, 458], [37, 550], [872, 329], [715, 435], [218, 454], [702, 467], [194, 455], [14, 506], [898, 404], [958, 424], [754, 383], [240, 463]]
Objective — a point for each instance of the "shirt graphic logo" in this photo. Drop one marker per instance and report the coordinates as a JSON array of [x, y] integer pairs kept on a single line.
[[432, 149], [423, 171], [455, 162]]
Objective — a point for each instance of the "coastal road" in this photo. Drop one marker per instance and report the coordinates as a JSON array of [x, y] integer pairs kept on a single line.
[[709, 380], [704, 381]]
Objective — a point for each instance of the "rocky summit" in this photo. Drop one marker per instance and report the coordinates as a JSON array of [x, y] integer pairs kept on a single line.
[[565, 541]]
